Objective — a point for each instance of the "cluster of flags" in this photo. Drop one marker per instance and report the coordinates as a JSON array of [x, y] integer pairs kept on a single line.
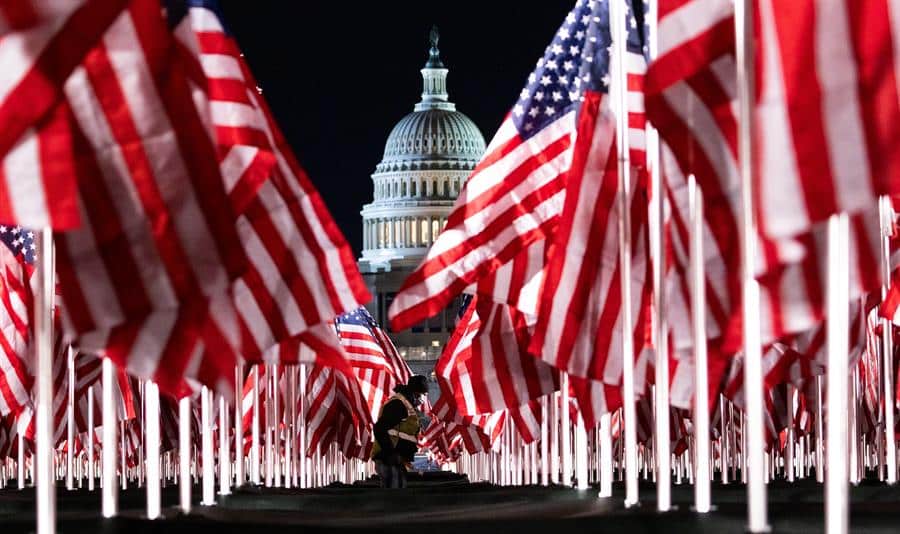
[[537, 234], [188, 239]]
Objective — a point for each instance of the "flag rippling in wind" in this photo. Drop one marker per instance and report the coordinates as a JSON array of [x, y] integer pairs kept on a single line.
[[301, 272], [373, 356]]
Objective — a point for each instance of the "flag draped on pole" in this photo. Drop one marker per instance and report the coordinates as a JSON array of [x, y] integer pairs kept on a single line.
[[378, 365], [41, 44], [691, 99], [157, 239], [15, 312], [301, 271]]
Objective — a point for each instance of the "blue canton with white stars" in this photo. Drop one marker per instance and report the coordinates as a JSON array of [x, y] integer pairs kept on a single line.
[[20, 241], [576, 61], [358, 317]]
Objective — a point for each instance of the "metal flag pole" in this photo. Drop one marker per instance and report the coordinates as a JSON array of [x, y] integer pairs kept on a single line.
[[184, 453], [661, 438], [238, 425], [887, 342], [581, 461], [789, 441], [90, 439], [554, 434], [545, 446], [290, 383], [154, 492], [224, 449], [838, 346], [267, 433], [254, 431], [820, 433], [276, 427], [301, 441], [43, 328], [70, 419], [109, 439], [565, 430], [20, 455], [702, 472], [208, 461], [753, 384], [618, 13], [606, 455]]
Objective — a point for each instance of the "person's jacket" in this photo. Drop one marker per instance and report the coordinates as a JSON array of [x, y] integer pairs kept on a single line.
[[396, 431]]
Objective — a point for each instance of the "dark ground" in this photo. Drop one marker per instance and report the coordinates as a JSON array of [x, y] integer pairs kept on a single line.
[[450, 506]]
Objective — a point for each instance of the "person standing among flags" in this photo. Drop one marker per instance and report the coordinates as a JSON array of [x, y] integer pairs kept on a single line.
[[397, 432]]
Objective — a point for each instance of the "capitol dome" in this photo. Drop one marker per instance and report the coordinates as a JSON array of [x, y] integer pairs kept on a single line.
[[433, 138], [427, 158]]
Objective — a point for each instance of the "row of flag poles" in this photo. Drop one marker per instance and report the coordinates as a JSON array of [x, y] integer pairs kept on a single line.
[[678, 246]]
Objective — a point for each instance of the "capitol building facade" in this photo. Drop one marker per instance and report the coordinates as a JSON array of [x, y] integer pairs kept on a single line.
[[427, 158]]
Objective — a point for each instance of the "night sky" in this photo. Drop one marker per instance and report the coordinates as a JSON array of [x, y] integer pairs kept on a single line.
[[339, 75]]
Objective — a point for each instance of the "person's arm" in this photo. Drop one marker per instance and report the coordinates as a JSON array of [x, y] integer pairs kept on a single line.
[[393, 413]]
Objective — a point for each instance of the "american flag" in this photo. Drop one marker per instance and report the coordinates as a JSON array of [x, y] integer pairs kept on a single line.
[[827, 111], [15, 312], [691, 99], [378, 364], [157, 240], [580, 317], [301, 271], [42, 44], [485, 366], [515, 195]]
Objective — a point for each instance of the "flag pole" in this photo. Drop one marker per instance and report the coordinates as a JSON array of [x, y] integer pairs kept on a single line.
[[290, 377], [209, 474], [109, 442], [301, 442], [887, 341], [239, 425], [820, 433], [618, 12], [254, 431], [838, 345], [151, 447], [184, 452], [789, 442], [565, 430], [276, 420], [606, 455], [70, 419], [224, 449], [90, 439], [545, 438], [554, 433], [702, 472], [43, 327], [581, 461], [753, 383], [661, 438]]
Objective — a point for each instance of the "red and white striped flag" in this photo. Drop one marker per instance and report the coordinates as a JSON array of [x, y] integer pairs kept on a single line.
[[301, 271], [485, 366], [157, 239], [376, 361], [828, 110], [15, 313], [41, 43]]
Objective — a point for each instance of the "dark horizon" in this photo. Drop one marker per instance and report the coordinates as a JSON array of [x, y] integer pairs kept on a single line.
[[338, 77]]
